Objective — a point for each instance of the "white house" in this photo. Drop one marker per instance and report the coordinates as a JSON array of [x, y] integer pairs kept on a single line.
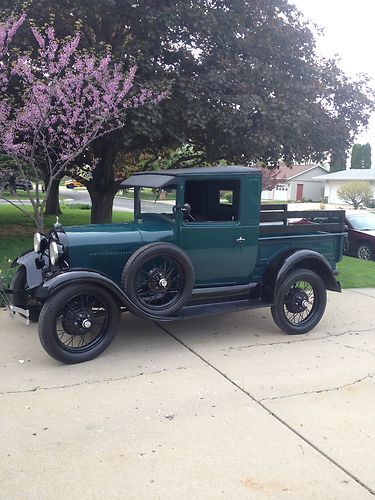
[[298, 183], [335, 180]]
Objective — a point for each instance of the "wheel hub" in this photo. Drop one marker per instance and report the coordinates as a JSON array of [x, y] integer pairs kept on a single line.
[[296, 301], [157, 282], [77, 322], [86, 323]]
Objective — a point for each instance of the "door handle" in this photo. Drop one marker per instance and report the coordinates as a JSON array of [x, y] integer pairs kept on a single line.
[[240, 239]]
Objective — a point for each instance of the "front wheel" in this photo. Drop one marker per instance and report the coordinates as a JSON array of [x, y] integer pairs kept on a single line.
[[78, 323], [300, 302]]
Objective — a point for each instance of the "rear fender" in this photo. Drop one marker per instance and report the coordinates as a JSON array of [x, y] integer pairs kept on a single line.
[[283, 264]]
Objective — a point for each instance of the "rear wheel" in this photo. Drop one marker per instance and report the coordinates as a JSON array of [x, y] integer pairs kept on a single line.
[[20, 297], [300, 302], [78, 323]]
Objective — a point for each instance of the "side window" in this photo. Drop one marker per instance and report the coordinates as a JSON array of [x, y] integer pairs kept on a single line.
[[226, 197], [213, 200]]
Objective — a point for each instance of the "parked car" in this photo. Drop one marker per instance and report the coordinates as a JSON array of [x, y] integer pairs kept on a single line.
[[20, 184], [361, 234], [210, 254], [72, 183]]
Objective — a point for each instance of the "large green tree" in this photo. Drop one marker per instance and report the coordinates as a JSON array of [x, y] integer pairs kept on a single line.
[[246, 84], [361, 156]]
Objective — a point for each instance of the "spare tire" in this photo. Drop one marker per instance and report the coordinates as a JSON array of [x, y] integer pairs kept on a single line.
[[158, 278]]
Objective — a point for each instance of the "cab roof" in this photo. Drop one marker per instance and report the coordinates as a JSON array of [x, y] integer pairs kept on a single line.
[[163, 178]]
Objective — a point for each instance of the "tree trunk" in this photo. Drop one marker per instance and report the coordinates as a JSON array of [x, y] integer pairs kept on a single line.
[[52, 203], [102, 187], [102, 205]]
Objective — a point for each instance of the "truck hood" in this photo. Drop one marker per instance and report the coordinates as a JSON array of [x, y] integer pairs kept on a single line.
[[107, 247]]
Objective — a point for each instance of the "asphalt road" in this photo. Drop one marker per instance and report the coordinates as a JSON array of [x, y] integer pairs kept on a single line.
[[122, 204]]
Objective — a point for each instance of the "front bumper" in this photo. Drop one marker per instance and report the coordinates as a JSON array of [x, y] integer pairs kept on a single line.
[[18, 313], [15, 312]]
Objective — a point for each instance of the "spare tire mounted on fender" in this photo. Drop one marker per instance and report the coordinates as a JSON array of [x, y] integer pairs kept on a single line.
[[158, 278]]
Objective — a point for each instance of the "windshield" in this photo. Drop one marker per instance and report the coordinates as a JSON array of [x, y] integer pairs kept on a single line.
[[362, 222], [154, 200]]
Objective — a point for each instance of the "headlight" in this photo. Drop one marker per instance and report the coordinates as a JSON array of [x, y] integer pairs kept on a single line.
[[37, 242], [53, 252], [40, 243]]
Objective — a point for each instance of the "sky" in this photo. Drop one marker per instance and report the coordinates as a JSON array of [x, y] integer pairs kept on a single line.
[[349, 32]]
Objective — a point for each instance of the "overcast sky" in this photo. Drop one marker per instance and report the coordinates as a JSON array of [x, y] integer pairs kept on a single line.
[[349, 31]]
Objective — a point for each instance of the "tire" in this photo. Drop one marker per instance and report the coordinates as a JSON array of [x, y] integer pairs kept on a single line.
[[78, 323], [365, 251], [158, 278], [290, 311], [20, 298]]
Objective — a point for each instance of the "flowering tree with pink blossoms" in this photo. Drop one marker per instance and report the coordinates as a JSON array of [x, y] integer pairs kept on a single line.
[[66, 101]]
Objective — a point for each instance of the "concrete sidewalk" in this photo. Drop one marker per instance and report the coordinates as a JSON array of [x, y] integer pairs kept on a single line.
[[224, 407]]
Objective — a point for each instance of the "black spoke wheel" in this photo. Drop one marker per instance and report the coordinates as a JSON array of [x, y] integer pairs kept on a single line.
[[300, 302], [158, 278], [78, 323], [20, 297]]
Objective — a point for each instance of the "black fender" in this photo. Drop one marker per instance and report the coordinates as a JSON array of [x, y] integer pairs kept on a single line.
[[283, 263], [34, 264], [65, 278]]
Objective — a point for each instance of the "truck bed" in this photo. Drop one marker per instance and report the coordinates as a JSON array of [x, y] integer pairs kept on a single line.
[[280, 230], [278, 220]]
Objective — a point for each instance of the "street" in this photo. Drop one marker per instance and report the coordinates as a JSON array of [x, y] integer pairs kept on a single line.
[[120, 204]]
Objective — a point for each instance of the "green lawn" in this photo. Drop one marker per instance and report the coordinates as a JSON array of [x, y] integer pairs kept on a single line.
[[20, 195], [147, 194], [10, 215], [356, 273]]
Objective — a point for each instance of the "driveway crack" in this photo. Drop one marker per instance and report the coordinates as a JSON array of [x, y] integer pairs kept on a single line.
[[296, 341], [90, 382], [319, 391]]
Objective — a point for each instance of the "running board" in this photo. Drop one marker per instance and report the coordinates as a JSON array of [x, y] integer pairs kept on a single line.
[[199, 311]]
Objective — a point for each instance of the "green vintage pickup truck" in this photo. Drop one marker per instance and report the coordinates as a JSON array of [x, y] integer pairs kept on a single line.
[[214, 250]]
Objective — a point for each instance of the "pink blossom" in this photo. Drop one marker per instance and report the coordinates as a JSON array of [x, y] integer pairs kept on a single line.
[[66, 101]]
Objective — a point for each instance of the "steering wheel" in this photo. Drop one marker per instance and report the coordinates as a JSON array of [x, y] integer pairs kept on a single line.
[[187, 213], [186, 210]]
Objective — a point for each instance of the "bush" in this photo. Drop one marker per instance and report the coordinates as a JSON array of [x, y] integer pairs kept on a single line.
[[355, 193], [229, 197]]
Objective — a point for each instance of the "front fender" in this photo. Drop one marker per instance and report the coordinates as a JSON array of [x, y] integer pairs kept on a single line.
[[65, 278], [34, 264], [281, 265]]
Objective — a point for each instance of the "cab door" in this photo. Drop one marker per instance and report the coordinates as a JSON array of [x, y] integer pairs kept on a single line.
[[221, 238]]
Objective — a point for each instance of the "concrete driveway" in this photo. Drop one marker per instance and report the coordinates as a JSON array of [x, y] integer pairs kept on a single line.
[[225, 407]]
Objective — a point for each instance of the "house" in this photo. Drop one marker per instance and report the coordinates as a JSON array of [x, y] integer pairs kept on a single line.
[[333, 181], [298, 183]]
